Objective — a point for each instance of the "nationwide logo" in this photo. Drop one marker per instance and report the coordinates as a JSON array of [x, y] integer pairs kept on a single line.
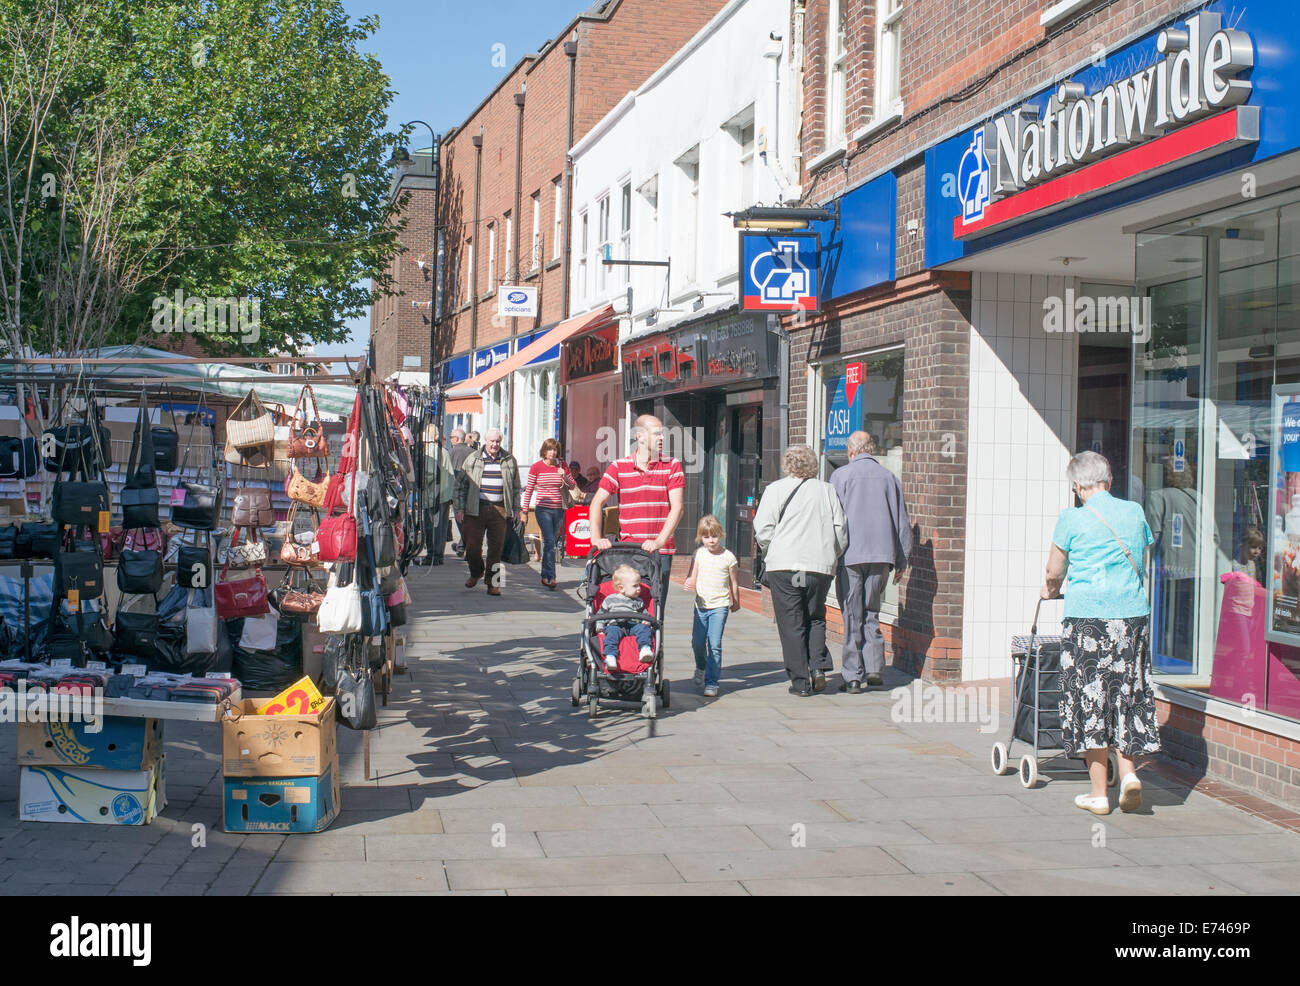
[[1199, 74]]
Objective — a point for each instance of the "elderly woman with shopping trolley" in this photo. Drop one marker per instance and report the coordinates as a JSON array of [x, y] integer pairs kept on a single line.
[[1098, 552]]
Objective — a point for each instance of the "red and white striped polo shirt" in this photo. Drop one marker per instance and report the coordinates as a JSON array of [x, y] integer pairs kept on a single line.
[[643, 496]]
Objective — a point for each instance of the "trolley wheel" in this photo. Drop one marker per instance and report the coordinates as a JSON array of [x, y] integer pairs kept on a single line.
[[648, 709], [576, 696], [593, 704], [1028, 770], [1112, 769], [663, 693], [999, 758]]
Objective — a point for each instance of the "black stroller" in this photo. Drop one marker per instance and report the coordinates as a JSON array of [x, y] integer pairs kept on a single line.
[[625, 688]]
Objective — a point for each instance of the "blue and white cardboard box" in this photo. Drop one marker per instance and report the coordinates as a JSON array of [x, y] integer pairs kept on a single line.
[[124, 743], [87, 794], [282, 804]]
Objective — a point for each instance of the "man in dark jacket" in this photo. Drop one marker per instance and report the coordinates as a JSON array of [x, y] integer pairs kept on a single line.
[[487, 500], [880, 538]]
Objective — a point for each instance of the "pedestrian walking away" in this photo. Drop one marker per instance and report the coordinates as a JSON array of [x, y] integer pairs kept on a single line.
[[800, 527], [880, 539], [650, 498], [458, 452], [546, 479], [714, 580], [1107, 699], [487, 499]]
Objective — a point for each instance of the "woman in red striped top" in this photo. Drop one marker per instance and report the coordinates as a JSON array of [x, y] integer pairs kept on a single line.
[[546, 477]]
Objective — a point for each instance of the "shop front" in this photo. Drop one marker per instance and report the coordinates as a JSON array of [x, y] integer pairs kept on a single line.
[[714, 385], [592, 408], [536, 399], [1139, 300]]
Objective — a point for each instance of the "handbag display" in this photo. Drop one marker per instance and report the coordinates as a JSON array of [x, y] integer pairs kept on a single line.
[[336, 538], [355, 689], [241, 597], [201, 507], [136, 634], [309, 441], [293, 553], [140, 572], [38, 539], [9, 541], [90, 625], [140, 492], [86, 441], [18, 458], [340, 609], [194, 565], [200, 624], [147, 539], [374, 610], [253, 507], [299, 602], [166, 442], [78, 573], [250, 554], [254, 432], [310, 492], [260, 632]]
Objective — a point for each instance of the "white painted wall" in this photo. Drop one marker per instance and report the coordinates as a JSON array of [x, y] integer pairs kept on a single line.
[[730, 66], [1023, 384]]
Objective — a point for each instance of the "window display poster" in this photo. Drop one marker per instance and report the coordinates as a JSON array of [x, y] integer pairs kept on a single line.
[[844, 407], [1284, 572]]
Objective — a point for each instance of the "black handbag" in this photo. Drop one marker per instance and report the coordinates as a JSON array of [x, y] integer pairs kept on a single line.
[[38, 539], [140, 571], [355, 701], [194, 566], [91, 627], [87, 441], [137, 634], [374, 611], [80, 504], [9, 541], [335, 659], [17, 458], [79, 571], [166, 442], [62, 644], [513, 552], [140, 492]]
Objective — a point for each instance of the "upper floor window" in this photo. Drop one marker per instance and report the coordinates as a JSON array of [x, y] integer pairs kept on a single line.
[[510, 273], [557, 237], [888, 60], [838, 60], [492, 256], [537, 231], [625, 228], [602, 232], [583, 285]]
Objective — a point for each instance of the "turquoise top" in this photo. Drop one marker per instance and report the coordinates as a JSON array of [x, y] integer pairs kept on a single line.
[[1099, 581]]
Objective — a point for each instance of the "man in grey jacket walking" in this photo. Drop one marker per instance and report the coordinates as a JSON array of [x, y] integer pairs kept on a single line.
[[880, 538]]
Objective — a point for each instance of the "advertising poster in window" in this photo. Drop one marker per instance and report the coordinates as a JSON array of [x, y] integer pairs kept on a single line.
[[1284, 542], [844, 408]]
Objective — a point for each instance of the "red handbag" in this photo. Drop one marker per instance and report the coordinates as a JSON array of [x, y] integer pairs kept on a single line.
[[336, 538], [241, 597]]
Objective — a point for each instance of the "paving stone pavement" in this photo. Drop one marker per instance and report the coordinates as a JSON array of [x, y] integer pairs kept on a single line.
[[487, 781]]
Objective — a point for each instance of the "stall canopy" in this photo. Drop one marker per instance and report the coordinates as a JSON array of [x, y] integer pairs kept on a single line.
[[210, 378], [465, 398]]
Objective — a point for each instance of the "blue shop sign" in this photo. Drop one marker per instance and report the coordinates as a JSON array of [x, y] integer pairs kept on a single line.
[[528, 340], [779, 272], [485, 359], [861, 253], [1218, 78], [455, 370]]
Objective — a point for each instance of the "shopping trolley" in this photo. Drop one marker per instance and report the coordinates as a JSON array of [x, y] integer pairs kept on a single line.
[[1036, 709]]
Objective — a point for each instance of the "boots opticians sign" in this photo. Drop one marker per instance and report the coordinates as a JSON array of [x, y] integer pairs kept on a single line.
[[1185, 107]]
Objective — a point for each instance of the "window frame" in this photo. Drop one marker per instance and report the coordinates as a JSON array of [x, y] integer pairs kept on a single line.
[[558, 233], [492, 257], [537, 231], [602, 241], [887, 98], [837, 62]]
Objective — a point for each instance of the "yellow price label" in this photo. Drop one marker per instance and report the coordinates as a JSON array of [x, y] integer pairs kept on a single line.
[[104, 522]]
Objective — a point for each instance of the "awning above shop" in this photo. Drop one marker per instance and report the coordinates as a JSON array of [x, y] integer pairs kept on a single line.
[[472, 388], [465, 405]]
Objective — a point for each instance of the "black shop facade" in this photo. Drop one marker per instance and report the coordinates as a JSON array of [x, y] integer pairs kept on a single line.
[[714, 383]]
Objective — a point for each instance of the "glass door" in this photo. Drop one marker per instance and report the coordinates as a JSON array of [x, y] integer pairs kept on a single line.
[[746, 430]]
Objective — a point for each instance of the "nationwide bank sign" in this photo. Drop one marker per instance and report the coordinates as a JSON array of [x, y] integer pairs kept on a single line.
[[1184, 107]]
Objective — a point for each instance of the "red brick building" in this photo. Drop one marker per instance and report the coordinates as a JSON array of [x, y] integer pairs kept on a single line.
[[995, 161], [505, 209]]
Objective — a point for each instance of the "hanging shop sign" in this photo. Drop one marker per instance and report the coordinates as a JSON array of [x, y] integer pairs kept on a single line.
[[780, 272], [590, 355], [485, 359], [844, 407], [735, 348], [514, 301]]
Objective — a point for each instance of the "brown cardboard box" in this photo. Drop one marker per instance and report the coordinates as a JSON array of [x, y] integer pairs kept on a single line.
[[278, 745]]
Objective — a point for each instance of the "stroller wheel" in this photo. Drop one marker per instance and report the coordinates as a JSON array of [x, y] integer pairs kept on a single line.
[[648, 706], [1112, 769], [663, 693], [1028, 770], [999, 758], [576, 696]]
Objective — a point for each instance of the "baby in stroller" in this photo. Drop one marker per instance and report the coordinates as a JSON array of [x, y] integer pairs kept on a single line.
[[626, 598]]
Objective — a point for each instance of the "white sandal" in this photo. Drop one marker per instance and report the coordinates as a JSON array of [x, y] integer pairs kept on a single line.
[[1098, 806], [1130, 792]]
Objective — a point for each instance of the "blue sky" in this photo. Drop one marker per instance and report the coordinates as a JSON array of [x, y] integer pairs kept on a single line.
[[439, 56]]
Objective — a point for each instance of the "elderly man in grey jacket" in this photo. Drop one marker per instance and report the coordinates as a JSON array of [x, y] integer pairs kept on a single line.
[[880, 538]]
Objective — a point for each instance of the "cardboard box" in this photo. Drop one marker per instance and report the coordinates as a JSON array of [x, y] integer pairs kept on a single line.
[[124, 743], [282, 804], [279, 745], [101, 797]]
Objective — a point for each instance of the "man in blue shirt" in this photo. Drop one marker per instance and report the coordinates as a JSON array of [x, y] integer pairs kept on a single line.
[[880, 538]]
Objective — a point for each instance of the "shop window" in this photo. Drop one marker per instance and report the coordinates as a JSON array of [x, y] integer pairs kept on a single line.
[[888, 59]]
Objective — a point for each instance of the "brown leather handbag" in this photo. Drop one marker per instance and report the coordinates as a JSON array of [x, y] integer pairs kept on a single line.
[[296, 555], [307, 440], [253, 507], [299, 602], [310, 492]]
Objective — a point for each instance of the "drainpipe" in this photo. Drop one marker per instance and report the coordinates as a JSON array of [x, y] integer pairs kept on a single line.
[[477, 140], [519, 221], [571, 52]]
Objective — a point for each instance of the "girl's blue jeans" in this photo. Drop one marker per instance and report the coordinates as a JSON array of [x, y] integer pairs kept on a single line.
[[706, 639]]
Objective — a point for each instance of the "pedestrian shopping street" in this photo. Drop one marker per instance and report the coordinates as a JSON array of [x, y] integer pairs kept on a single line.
[[489, 781]]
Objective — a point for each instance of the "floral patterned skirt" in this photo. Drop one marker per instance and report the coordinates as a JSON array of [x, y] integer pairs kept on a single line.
[[1106, 680]]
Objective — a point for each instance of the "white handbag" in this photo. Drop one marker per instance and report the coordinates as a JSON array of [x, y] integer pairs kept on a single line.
[[260, 631], [247, 555], [200, 624], [340, 612]]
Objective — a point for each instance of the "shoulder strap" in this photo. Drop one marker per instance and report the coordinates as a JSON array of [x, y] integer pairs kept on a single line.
[[1124, 547], [788, 499]]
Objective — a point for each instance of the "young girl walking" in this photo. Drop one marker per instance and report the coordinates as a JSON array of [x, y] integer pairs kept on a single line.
[[712, 577]]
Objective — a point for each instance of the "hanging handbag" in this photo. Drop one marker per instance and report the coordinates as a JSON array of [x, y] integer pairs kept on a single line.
[[39, 539], [194, 564], [397, 603], [292, 553], [241, 597], [355, 689], [334, 659], [260, 632], [250, 554], [300, 602], [308, 441], [136, 634], [200, 624], [9, 541], [253, 506], [311, 492], [149, 539], [83, 502], [253, 432], [140, 492], [199, 508], [374, 611], [340, 610], [140, 571], [91, 626], [18, 458], [336, 538], [62, 644], [166, 441], [78, 573]]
